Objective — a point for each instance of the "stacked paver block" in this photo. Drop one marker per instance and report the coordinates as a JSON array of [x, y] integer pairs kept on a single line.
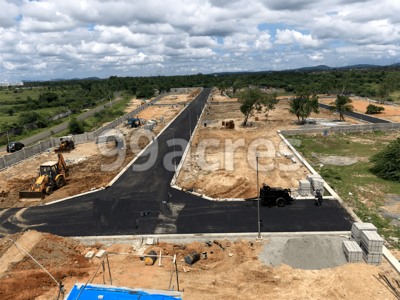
[[317, 183], [353, 252], [358, 228], [304, 188], [148, 128], [372, 245]]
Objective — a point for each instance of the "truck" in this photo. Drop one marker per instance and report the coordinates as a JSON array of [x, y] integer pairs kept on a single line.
[[273, 196]]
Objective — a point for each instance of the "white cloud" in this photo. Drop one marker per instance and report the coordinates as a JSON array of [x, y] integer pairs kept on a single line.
[[318, 56], [96, 37], [287, 37], [263, 42]]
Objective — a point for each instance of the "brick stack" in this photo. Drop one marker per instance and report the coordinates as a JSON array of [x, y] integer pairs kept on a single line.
[[353, 252], [304, 188], [372, 245]]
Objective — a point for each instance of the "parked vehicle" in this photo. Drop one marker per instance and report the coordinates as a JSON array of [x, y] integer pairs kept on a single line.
[[14, 146]]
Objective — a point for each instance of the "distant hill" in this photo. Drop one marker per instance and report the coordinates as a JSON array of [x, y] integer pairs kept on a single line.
[[62, 79]]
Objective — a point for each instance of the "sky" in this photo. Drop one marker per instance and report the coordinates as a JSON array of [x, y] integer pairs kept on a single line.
[[46, 39]]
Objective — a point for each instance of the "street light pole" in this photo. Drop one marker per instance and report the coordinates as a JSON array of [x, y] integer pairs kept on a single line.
[[258, 203]]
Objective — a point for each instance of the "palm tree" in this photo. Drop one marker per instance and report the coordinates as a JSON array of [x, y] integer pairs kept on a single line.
[[341, 104]]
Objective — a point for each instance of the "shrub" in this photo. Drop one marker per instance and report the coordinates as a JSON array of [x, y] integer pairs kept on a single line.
[[75, 126], [386, 163], [373, 109]]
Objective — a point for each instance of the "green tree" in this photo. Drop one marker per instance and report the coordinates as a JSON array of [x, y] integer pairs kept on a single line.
[[269, 103], [10, 111], [388, 86], [345, 79], [341, 104], [254, 100], [75, 126], [237, 85], [145, 91], [387, 162], [222, 86], [373, 109], [48, 97], [303, 105]]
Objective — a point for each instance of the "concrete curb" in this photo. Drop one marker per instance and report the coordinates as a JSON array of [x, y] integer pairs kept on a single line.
[[389, 256], [187, 238]]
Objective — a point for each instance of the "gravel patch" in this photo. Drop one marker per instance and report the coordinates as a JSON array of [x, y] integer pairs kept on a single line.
[[307, 252], [338, 160]]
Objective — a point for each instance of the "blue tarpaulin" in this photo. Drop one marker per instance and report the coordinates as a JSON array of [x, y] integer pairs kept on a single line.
[[92, 292]]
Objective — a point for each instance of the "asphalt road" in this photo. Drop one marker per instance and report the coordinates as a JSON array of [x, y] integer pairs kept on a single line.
[[46, 134], [359, 116], [134, 204]]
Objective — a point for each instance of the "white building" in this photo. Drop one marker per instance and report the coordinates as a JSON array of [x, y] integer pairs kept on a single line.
[[17, 83], [7, 84]]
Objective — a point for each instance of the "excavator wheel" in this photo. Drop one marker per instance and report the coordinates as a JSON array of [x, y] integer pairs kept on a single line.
[[60, 182], [49, 190]]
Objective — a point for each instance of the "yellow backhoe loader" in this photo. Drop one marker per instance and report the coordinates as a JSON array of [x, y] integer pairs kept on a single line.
[[66, 145], [52, 174]]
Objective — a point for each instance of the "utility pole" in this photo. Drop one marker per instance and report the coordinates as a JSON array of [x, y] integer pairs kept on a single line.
[[258, 203]]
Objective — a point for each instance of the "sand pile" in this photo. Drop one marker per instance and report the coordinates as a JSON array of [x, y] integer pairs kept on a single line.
[[313, 253]]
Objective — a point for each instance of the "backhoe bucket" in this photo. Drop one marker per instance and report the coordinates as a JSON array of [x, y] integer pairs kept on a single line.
[[31, 195], [62, 150]]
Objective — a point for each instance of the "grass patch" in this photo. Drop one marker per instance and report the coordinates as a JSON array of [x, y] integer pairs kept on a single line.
[[356, 184]]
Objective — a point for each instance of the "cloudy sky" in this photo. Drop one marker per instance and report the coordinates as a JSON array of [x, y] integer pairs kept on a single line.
[[80, 38]]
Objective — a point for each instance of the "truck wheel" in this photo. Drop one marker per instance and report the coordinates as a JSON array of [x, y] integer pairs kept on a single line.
[[280, 202], [60, 182], [49, 190]]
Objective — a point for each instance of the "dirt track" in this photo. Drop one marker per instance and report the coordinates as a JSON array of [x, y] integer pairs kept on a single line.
[[219, 277]]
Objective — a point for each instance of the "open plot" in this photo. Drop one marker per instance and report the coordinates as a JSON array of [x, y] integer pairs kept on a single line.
[[90, 165], [221, 173], [372, 198], [232, 269]]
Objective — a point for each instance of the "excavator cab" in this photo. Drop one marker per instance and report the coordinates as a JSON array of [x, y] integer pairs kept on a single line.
[[51, 174]]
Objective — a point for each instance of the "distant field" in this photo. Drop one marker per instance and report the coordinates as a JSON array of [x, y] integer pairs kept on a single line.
[[34, 94]]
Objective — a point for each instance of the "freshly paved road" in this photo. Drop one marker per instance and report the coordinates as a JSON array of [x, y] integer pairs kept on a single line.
[[359, 116], [117, 210], [46, 134]]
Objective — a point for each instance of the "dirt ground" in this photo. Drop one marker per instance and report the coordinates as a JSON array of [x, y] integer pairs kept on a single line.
[[169, 99], [211, 176], [220, 276], [391, 112], [217, 97], [84, 163]]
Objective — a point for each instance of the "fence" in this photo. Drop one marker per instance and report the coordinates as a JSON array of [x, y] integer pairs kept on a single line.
[[350, 128], [16, 157]]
